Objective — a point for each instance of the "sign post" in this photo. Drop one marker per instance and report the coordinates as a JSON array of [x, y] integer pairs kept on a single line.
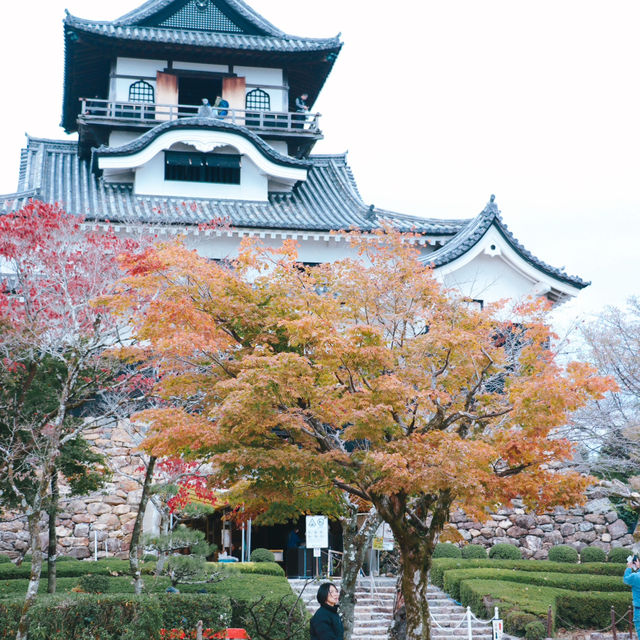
[[317, 536]]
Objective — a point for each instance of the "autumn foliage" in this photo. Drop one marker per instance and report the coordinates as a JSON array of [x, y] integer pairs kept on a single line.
[[362, 375]]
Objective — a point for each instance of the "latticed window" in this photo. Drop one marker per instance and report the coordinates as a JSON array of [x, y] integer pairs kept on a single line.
[[258, 100], [203, 15], [141, 91]]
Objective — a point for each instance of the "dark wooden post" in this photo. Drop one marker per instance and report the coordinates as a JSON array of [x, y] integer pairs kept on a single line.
[[613, 624], [549, 622]]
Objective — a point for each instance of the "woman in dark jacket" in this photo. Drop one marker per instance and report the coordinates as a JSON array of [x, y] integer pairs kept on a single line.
[[326, 623]]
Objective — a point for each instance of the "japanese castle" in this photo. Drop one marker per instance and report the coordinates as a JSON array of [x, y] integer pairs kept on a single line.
[[189, 111]]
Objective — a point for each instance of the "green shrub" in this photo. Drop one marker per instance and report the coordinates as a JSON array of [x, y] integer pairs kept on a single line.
[[516, 622], [618, 555], [535, 630], [115, 617], [563, 553], [262, 555], [593, 554], [66, 559], [149, 557], [446, 550], [268, 618], [441, 565], [264, 568], [505, 551], [106, 566], [4, 558], [94, 584], [577, 582], [474, 551], [592, 610]]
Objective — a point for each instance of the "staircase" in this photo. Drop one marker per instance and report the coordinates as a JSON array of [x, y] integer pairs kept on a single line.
[[374, 611]]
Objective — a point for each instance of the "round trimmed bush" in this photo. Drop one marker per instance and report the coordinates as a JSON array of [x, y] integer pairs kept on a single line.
[[505, 551], [563, 553], [516, 621], [619, 555], [94, 583], [535, 631], [593, 554], [446, 550], [473, 551], [262, 555]]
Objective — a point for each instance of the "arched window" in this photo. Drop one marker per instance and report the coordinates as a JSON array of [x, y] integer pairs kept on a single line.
[[257, 100], [141, 91]]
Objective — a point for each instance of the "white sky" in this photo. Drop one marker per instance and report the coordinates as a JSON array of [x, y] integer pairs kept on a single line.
[[439, 104]]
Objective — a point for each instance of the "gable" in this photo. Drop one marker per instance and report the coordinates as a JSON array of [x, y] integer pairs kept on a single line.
[[200, 15]]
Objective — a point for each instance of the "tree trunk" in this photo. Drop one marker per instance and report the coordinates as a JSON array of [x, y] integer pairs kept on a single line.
[[34, 578], [415, 563], [135, 548], [165, 518], [356, 542], [52, 552]]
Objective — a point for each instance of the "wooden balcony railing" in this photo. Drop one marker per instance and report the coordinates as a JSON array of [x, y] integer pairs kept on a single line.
[[149, 113]]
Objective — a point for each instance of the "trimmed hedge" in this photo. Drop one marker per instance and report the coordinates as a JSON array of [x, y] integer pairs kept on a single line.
[[107, 566], [505, 551], [262, 555], [270, 619], [446, 550], [94, 584], [619, 555], [262, 568], [471, 551], [563, 553], [535, 630], [116, 617], [578, 582], [593, 554], [4, 558], [441, 565], [592, 610]]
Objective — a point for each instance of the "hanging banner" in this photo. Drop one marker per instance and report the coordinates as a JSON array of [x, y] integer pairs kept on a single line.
[[383, 540]]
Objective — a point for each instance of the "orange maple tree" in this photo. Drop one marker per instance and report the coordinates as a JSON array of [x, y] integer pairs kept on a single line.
[[363, 374]]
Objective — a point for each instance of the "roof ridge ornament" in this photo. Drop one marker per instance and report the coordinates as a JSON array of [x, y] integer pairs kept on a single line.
[[492, 206]]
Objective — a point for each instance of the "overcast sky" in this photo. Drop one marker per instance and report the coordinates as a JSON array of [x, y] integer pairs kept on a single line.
[[439, 104]]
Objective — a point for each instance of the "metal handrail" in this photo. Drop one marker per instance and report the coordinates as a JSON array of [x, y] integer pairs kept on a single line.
[[147, 112]]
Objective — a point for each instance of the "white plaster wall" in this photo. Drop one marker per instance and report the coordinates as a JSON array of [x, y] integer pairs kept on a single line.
[[201, 66], [490, 279], [145, 69], [266, 76], [117, 138], [150, 180]]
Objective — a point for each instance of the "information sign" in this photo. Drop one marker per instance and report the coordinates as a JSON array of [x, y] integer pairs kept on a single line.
[[317, 532]]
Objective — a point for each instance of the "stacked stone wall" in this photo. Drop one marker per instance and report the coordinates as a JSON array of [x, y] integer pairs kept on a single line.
[[595, 524], [109, 515], [106, 515]]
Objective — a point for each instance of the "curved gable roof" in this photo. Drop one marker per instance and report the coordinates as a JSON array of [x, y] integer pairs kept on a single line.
[[477, 228], [210, 124]]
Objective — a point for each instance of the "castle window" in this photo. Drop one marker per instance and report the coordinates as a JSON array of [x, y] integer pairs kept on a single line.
[[257, 99], [219, 168], [141, 91]]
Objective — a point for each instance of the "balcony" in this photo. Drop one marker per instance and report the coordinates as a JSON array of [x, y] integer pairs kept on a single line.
[[147, 115]]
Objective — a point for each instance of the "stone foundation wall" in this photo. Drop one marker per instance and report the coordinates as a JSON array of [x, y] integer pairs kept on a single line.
[[595, 524], [110, 513]]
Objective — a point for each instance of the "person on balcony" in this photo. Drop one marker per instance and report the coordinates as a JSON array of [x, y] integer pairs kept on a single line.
[[326, 623], [205, 110], [221, 108], [301, 108]]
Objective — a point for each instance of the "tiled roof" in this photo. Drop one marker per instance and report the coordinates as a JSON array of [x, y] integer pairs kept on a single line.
[[236, 41], [327, 200], [202, 123], [475, 230]]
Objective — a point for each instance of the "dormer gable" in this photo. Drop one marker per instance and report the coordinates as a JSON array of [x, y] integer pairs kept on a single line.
[[222, 16], [201, 157]]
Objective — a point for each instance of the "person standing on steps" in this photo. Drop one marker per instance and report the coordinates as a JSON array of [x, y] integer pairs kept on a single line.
[[326, 623], [632, 578]]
